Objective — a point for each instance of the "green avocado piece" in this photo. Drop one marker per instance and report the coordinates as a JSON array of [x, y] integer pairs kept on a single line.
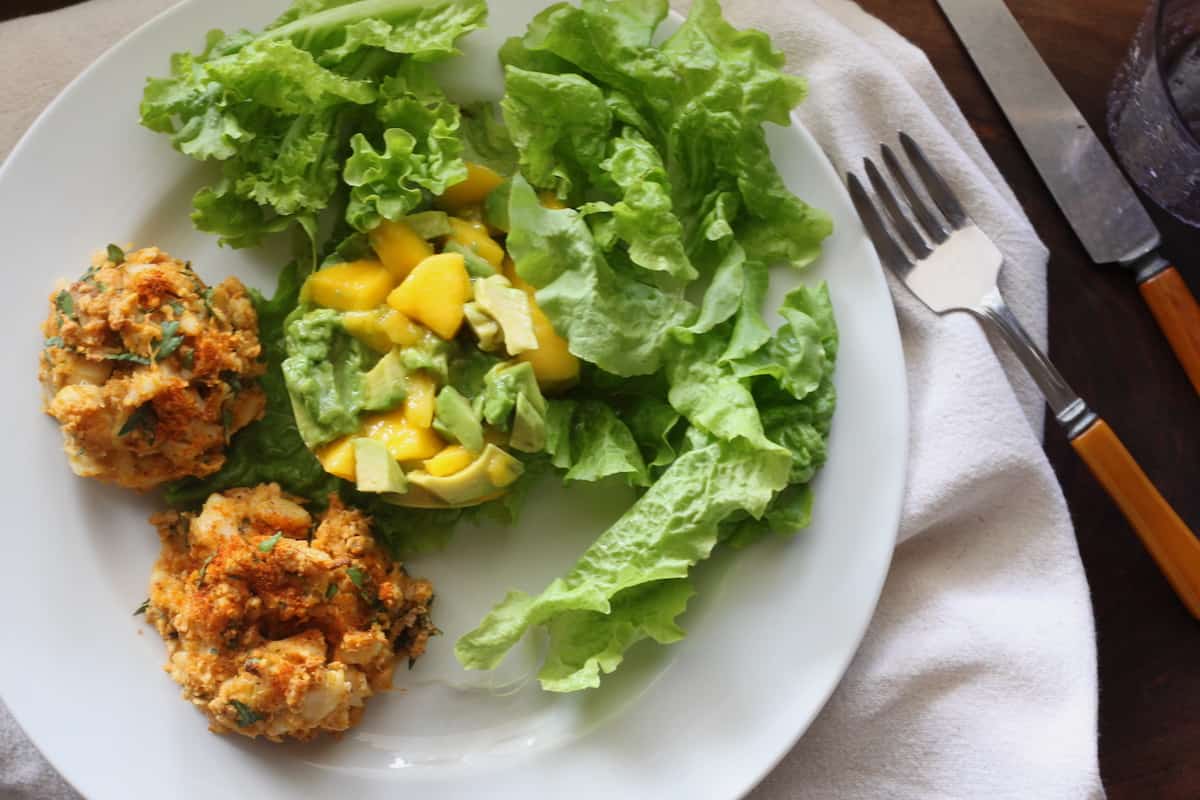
[[455, 419], [429, 224], [528, 428], [375, 469], [502, 385], [477, 267], [383, 386], [510, 308], [484, 479], [486, 330], [495, 207]]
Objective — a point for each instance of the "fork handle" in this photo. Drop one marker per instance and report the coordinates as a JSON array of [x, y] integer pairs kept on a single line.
[[1163, 533], [1178, 315]]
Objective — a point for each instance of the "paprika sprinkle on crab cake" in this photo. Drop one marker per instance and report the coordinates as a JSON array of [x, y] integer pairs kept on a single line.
[[148, 370], [279, 624]]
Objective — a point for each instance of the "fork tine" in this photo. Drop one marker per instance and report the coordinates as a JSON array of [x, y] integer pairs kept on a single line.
[[937, 188], [932, 225], [889, 251], [910, 235]]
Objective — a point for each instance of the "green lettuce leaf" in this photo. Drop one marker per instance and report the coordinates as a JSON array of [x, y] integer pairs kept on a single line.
[[671, 527], [278, 110], [486, 140], [617, 324], [585, 643], [604, 446]]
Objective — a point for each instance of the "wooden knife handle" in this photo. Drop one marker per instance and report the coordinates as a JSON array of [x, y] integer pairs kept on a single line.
[[1178, 315], [1161, 530]]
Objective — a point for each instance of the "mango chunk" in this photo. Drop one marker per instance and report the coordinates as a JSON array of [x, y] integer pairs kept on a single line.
[[421, 400], [453, 459], [351, 286], [399, 247], [405, 441], [367, 327], [338, 458], [480, 182], [475, 236], [400, 329], [554, 366], [434, 294]]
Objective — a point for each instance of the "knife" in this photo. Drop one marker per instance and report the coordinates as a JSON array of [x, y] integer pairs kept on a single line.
[[1095, 196]]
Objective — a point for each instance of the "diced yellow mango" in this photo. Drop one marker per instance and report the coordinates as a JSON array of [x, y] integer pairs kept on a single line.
[[404, 441], [454, 458], [554, 366], [475, 236], [400, 329], [481, 181], [420, 400], [399, 247], [551, 200], [367, 327], [434, 294], [352, 286], [338, 458]]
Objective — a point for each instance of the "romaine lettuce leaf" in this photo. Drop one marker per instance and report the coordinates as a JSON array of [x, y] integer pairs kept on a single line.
[[604, 446], [585, 643], [671, 527]]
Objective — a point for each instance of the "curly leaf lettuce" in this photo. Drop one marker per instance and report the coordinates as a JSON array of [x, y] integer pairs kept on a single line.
[[278, 109]]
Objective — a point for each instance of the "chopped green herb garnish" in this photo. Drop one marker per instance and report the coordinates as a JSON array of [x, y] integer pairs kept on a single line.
[[189, 359], [116, 254], [177, 307], [171, 339], [207, 294], [331, 591], [143, 417], [212, 651], [267, 545], [65, 303], [356, 576], [245, 714], [54, 341], [89, 276], [131, 357], [143, 607], [101, 286], [204, 569]]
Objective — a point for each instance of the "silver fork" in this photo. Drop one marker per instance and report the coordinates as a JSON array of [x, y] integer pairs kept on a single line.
[[952, 265]]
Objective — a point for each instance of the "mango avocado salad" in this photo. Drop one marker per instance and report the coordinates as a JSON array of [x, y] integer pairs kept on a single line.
[[571, 285]]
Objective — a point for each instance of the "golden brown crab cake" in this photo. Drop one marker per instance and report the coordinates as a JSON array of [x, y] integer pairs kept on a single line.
[[148, 371], [278, 624]]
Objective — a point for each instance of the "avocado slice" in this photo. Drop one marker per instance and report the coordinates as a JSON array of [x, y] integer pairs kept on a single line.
[[375, 469], [491, 473], [454, 419], [383, 386], [477, 267], [502, 385], [484, 327], [528, 428], [510, 308]]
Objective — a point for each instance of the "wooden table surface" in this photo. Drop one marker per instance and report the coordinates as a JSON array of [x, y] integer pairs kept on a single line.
[[1107, 345]]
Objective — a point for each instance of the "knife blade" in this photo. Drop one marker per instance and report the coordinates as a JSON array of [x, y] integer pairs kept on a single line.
[[1094, 195]]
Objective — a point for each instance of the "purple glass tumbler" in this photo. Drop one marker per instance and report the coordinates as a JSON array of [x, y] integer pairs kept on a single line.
[[1154, 108]]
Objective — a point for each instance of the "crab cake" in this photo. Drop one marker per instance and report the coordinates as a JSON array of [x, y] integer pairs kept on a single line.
[[148, 370], [278, 624]]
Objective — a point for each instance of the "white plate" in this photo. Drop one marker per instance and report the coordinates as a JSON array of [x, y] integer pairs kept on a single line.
[[771, 631]]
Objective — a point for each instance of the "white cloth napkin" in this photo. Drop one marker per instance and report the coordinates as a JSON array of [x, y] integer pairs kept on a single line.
[[977, 678]]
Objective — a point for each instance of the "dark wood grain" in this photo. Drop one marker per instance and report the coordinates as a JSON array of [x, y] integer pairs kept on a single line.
[[1106, 343]]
